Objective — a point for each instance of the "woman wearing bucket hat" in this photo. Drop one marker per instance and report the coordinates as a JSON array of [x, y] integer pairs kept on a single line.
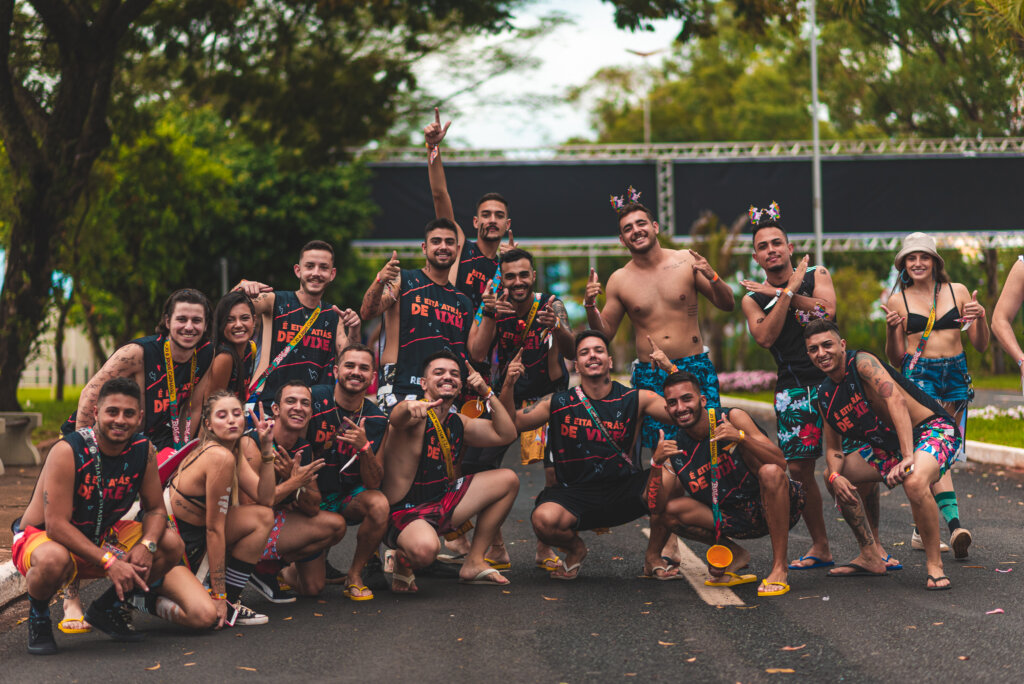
[[923, 337]]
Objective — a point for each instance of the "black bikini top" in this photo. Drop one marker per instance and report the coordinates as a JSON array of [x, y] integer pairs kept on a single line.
[[916, 322]]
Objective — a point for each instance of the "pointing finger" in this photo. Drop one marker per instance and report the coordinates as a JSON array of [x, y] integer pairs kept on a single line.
[[349, 421], [437, 116], [435, 403], [593, 276]]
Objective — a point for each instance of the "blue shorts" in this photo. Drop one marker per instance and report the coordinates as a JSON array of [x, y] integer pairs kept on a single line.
[[944, 379], [649, 377]]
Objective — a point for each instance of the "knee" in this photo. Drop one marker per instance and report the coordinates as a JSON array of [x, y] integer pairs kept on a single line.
[[509, 479], [917, 488], [170, 544], [336, 527], [378, 509], [263, 518], [202, 616], [422, 553], [309, 587], [51, 560], [771, 476], [544, 520]]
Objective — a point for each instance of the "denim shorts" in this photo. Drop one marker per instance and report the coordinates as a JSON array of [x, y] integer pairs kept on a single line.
[[944, 379]]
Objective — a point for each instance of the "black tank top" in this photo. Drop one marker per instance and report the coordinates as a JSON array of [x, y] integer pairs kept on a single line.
[[693, 468], [122, 477], [476, 270], [312, 360], [157, 402], [846, 410], [328, 420], [536, 381], [788, 350], [431, 317], [431, 480], [577, 449], [244, 371]]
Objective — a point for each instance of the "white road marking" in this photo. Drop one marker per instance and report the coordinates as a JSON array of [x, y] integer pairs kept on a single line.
[[696, 571]]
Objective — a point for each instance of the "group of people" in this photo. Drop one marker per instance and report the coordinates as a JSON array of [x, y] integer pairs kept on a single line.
[[249, 436]]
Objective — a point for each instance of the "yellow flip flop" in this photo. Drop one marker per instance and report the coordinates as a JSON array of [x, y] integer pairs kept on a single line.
[[549, 564], [348, 592], [499, 565], [74, 630], [734, 579], [783, 588]]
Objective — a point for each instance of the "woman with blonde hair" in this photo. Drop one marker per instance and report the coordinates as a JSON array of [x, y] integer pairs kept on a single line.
[[202, 502]]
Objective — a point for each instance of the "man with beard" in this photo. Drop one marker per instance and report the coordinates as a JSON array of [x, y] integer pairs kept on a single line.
[[422, 480], [301, 332], [301, 531], [777, 311], [658, 289], [347, 430], [722, 479], [593, 462], [908, 439], [73, 528], [478, 261], [423, 314]]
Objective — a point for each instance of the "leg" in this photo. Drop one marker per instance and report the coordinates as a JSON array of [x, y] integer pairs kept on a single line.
[[802, 471], [490, 498], [869, 494], [302, 536], [310, 576], [775, 499], [371, 509], [74, 620], [183, 600], [917, 487], [246, 530], [545, 556], [51, 568], [858, 471], [555, 526], [416, 547], [694, 520], [662, 538]]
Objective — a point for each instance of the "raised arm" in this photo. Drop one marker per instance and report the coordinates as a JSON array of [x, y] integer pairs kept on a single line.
[[1006, 310], [348, 329], [261, 295], [500, 429], [433, 134], [758, 450], [895, 333], [653, 405], [481, 334], [383, 291], [606, 320], [553, 316], [533, 416], [710, 285], [973, 313], [126, 362]]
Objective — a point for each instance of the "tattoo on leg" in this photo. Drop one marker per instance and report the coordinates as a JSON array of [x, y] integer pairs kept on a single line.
[[858, 522], [71, 591], [699, 534]]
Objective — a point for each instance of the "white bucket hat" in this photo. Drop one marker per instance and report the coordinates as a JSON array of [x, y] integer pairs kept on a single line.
[[917, 242]]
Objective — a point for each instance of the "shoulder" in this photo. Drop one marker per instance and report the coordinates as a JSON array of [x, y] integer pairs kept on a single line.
[[216, 456], [960, 291], [371, 410]]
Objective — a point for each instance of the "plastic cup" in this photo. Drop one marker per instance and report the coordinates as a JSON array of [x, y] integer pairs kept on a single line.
[[719, 556]]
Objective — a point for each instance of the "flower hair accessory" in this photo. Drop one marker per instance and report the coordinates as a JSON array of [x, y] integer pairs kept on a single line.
[[772, 213], [806, 317], [632, 195]]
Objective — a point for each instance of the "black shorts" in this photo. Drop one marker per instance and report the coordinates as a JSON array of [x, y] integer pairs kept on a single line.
[[194, 537], [601, 504], [744, 518]]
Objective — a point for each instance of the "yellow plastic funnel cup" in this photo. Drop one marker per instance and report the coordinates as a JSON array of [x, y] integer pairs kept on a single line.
[[719, 556]]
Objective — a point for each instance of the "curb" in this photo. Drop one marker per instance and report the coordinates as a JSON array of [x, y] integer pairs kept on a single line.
[[12, 584]]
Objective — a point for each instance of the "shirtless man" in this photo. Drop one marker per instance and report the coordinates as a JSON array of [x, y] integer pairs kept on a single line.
[[301, 531], [1006, 310], [908, 439], [422, 482], [299, 325], [598, 479], [757, 498], [423, 314], [658, 289], [777, 311]]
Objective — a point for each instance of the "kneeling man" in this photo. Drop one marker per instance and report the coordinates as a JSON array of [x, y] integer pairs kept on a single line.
[[907, 437], [722, 478]]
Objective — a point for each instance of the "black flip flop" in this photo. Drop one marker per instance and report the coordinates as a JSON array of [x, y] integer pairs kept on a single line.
[[936, 581], [858, 571]]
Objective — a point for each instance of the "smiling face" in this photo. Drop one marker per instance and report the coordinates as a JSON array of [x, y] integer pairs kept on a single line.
[[685, 404], [827, 352], [439, 248], [186, 324], [226, 420], [919, 266], [118, 417], [592, 358], [238, 325], [442, 379], [772, 251], [518, 277], [354, 371], [315, 271], [491, 221], [294, 409], [638, 232]]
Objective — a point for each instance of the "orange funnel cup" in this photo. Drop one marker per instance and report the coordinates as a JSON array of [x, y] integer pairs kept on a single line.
[[719, 556]]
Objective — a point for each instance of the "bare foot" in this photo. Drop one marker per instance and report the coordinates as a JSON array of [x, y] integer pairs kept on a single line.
[[481, 573], [458, 546], [861, 565], [546, 557], [575, 553], [403, 581], [814, 556], [498, 554]]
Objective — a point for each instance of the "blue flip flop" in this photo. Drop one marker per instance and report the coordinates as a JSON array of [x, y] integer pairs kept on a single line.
[[898, 566], [818, 563]]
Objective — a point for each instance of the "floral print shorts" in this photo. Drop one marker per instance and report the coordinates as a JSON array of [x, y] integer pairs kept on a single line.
[[798, 422]]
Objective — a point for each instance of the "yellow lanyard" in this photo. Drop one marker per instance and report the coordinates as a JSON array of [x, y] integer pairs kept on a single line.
[[172, 391], [446, 447], [716, 514]]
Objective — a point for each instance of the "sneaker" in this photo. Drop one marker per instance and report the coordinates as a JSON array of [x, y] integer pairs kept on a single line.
[[114, 621], [334, 575], [40, 636], [373, 575], [917, 543], [267, 585], [960, 540], [246, 616]]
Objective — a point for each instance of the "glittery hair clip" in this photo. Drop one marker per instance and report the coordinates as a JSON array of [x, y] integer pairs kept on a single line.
[[806, 317], [632, 195], [772, 213]]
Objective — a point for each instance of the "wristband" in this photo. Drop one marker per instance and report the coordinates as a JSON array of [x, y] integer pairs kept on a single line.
[[264, 459], [716, 278], [218, 596], [743, 435], [365, 449], [1020, 362], [108, 560], [379, 281], [832, 477], [778, 292], [488, 314], [789, 292], [490, 393]]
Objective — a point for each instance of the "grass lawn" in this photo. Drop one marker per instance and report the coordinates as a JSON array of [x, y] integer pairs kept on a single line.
[[997, 382], [39, 400], [766, 396]]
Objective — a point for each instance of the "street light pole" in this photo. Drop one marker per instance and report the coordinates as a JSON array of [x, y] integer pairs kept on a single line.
[[819, 238]]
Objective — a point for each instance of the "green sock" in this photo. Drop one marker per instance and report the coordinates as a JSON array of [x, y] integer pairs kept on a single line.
[[950, 511]]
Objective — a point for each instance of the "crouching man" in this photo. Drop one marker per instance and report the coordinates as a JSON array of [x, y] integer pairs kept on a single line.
[[722, 479]]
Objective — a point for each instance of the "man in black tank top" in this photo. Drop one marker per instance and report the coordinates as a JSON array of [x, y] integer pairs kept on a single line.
[[909, 439], [721, 484], [423, 481], [423, 314], [73, 526], [301, 531], [183, 335], [309, 349], [597, 479], [777, 311]]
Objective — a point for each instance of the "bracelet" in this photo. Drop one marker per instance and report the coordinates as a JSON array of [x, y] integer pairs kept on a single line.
[[488, 314], [108, 560], [789, 292], [743, 435], [1019, 362], [216, 596], [379, 281], [490, 393], [365, 449], [716, 278], [264, 459], [590, 306], [832, 477]]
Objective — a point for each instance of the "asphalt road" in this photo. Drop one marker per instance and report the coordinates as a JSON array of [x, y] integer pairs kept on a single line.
[[611, 626]]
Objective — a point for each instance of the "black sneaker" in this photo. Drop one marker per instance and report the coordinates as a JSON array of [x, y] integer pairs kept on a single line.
[[40, 636], [245, 616], [267, 585], [334, 575], [114, 621], [439, 569], [373, 575]]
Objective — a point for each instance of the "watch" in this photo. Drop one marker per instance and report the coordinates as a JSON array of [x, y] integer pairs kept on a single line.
[[150, 545]]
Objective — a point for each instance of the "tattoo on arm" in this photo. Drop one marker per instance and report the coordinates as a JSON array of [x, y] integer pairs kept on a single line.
[[559, 310], [885, 389], [760, 320], [531, 407], [46, 498]]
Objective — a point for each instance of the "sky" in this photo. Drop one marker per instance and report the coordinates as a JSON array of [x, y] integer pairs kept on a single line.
[[569, 57]]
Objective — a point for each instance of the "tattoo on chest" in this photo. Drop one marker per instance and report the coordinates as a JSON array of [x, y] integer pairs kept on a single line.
[[691, 310]]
